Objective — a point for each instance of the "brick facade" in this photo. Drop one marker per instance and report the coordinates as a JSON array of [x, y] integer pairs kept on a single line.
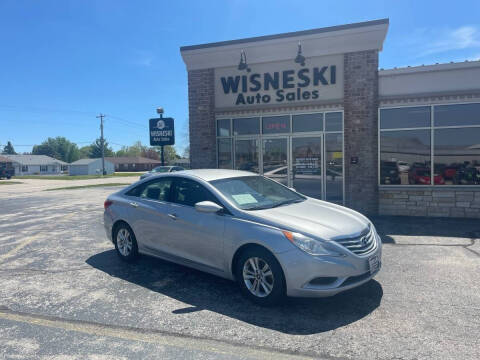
[[443, 202], [201, 101], [361, 130]]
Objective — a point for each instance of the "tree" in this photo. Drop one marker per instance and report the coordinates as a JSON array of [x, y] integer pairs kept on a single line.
[[85, 151], [170, 154], [186, 152], [8, 149], [96, 149], [59, 148]]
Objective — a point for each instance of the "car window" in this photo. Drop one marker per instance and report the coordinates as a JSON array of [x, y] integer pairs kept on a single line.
[[158, 189], [189, 192]]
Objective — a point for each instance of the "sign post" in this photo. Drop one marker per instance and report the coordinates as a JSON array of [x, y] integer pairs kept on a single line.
[[162, 132]]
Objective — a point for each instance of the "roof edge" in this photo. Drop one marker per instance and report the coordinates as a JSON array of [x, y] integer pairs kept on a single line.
[[286, 35]]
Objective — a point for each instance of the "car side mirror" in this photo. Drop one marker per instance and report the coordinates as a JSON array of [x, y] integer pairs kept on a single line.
[[207, 207]]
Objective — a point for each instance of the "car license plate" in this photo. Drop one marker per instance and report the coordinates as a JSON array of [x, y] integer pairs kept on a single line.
[[374, 264]]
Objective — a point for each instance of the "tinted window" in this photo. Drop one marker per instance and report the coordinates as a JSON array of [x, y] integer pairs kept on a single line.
[[333, 121], [451, 115], [405, 157], [307, 122], [457, 156], [158, 189], [408, 117], [246, 126], [189, 192], [276, 124], [223, 127]]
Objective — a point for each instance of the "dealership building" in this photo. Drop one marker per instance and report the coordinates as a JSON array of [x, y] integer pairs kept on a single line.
[[312, 110]]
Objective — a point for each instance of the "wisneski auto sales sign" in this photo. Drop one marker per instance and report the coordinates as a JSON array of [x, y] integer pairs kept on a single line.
[[162, 131], [278, 83]]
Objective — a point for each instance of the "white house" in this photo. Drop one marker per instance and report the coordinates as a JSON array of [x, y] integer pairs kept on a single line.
[[90, 167], [36, 165]]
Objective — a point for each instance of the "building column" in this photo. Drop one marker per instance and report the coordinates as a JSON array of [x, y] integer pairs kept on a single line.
[[361, 130], [201, 100]]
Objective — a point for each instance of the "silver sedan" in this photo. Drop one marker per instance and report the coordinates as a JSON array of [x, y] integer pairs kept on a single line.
[[241, 226]]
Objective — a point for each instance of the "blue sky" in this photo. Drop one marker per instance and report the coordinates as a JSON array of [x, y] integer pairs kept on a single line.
[[62, 62]]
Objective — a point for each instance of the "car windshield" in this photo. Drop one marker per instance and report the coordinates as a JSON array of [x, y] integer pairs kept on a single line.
[[161, 169], [256, 192]]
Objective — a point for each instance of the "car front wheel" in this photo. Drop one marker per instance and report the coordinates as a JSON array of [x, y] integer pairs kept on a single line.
[[260, 276], [125, 243]]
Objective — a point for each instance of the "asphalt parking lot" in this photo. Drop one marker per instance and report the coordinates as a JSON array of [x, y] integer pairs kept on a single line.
[[64, 294]]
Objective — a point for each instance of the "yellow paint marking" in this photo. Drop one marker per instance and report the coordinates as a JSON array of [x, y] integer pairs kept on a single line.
[[18, 247], [154, 337], [26, 242]]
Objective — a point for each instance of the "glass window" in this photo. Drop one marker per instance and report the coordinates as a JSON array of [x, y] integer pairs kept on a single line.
[[224, 153], [307, 122], [246, 155], [246, 126], [188, 192], [457, 156], [405, 157], [256, 192], [333, 121], [223, 127], [24, 168], [334, 167], [276, 124], [453, 115], [158, 189], [408, 117], [43, 168]]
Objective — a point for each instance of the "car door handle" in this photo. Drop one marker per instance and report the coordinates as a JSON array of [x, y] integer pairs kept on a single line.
[[134, 204], [173, 216]]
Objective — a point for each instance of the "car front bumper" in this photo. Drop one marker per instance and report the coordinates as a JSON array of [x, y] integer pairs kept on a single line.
[[323, 276]]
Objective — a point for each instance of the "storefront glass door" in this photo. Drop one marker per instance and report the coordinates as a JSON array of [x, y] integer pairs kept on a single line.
[[307, 166], [275, 159]]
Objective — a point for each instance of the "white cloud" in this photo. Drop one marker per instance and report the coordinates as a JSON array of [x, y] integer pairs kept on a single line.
[[142, 58], [435, 42]]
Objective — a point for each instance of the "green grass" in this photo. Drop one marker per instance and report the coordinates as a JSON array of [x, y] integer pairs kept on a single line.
[[86, 186], [77, 177], [9, 182]]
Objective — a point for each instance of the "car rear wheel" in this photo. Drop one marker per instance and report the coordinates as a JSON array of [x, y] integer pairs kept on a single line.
[[125, 243], [260, 276]]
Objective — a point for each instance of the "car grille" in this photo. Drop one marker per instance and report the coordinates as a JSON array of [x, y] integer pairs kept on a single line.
[[360, 245]]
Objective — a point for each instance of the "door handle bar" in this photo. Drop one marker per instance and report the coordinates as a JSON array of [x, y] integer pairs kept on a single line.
[[173, 216], [134, 204]]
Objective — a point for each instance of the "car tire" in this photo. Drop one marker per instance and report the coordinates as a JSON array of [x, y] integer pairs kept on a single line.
[[125, 243], [260, 276]]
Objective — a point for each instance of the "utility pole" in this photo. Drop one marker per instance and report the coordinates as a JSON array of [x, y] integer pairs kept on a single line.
[[102, 142]]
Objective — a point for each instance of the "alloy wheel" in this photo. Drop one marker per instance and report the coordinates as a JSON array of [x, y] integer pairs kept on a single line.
[[124, 242], [258, 277]]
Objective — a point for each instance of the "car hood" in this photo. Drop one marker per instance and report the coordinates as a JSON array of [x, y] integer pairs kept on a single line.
[[313, 217]]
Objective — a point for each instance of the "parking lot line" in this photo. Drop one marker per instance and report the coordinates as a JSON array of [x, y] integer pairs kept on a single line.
[[149, 336], [26, 242], [18, 247]]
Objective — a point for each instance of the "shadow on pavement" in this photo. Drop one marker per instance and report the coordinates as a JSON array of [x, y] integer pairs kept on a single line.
[[207, 292], [388, 226]]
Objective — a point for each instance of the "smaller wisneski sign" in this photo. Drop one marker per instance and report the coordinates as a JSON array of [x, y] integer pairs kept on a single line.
[[282, 82]]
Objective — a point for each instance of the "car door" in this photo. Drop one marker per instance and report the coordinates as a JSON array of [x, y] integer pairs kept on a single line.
[[149, 209], [196, 236]]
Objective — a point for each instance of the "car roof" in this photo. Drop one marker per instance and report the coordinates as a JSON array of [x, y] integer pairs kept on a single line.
[[215, 174]]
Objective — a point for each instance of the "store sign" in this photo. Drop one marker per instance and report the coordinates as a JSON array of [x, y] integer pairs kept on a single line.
[[162, 132], [280, 83]]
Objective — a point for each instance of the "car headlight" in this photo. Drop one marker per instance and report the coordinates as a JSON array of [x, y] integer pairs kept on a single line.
[[309, 245]]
